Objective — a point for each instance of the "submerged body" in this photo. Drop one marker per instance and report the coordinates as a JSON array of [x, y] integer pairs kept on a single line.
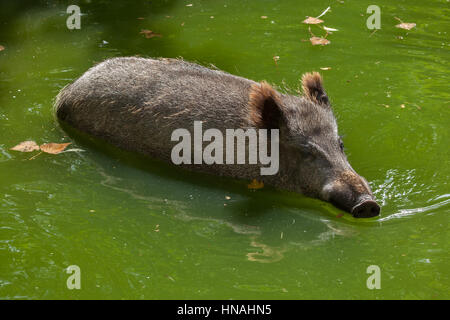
[[137, 103]]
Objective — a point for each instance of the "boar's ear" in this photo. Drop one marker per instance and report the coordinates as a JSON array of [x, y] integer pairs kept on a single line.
[[265, 108], [313, 88]]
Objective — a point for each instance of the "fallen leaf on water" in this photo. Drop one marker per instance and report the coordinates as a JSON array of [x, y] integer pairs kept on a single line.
[[330, 29], [150, 34], [255, 184], [170, 278], [26, 146], [54, 148], [2, 48], [405, 25], [323, 13], [276, 58], [319, 41], [311, 20], [74, 150]]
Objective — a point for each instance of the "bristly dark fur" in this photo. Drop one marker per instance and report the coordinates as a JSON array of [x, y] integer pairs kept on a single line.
[[264, 106], [136, 104], [312, 85]]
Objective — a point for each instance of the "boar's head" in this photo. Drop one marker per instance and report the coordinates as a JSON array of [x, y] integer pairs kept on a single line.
[[312, 158]]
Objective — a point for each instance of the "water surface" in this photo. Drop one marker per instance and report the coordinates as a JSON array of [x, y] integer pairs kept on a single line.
[[140, 229]]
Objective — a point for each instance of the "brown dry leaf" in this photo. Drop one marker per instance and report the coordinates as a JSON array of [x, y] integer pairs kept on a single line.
[[311, 20], [2, 48], [150, 34], [26, 146], [54, 148], [276, 58], [255, 184], [319, 41], [406, 26]]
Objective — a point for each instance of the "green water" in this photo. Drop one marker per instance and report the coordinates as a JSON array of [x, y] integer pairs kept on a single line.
[[140, 229]]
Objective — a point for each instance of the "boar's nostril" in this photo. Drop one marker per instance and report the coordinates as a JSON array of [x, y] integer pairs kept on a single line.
[[366, 209]]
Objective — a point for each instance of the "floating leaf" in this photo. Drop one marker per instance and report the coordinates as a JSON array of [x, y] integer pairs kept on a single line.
[[331, 29], [54, 148], [405, 25], [319, 41], [150, 34], [323, 13], [26, 146], [2, 48], [275, 59], [256, 185], [74, 150], [311, 20]]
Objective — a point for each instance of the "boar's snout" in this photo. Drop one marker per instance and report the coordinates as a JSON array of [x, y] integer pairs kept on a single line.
[[366, 209], [351, 193]]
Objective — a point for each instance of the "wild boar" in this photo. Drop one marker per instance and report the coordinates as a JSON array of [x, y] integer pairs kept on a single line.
[[137, 104]]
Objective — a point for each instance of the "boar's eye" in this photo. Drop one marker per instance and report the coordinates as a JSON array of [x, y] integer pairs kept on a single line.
[[341, 144]]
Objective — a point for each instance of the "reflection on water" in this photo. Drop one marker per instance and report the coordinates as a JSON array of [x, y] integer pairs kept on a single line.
[[268, 255], [320, 230]]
